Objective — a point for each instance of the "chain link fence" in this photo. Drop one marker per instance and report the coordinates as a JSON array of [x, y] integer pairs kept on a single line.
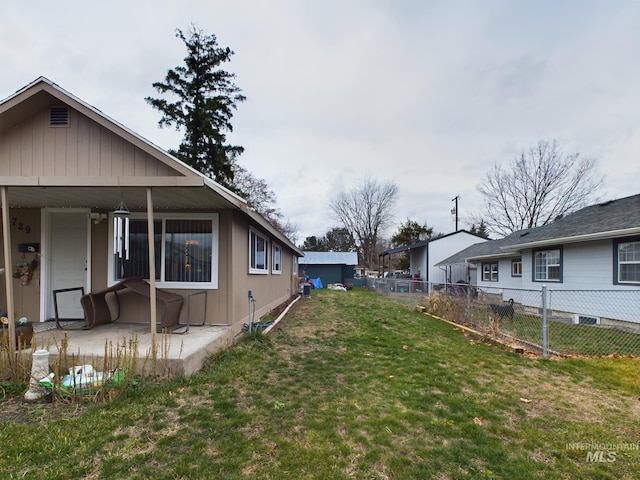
[[548, 321]]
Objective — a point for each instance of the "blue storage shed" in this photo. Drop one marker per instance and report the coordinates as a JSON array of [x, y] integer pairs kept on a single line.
[[330, 267]]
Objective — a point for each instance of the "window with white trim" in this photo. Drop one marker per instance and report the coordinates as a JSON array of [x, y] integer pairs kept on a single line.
[[628, 257], [490, 272], [276, 260], [516, 267], [295, 265], [258, 249], [185, 249], [547, 265]]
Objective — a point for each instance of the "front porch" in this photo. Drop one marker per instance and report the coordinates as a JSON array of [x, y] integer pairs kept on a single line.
[[173, 354]]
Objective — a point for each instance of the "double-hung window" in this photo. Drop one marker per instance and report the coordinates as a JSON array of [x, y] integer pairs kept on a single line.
[[276, 261], [258, 253], [185, 246], [490, 272], [627, 256], [547, 265], [516, 267]]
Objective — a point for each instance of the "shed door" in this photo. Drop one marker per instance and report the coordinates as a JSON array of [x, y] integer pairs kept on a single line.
[[67, 261]]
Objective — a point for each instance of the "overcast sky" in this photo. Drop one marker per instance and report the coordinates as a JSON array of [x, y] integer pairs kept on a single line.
[[428, 94]]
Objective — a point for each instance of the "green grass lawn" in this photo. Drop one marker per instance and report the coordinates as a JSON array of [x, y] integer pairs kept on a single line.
[[348, 385], [563, 338], [577, 339]]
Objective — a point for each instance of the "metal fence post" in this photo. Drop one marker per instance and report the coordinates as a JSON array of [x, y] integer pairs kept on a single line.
[[545, 324], [468, 310]]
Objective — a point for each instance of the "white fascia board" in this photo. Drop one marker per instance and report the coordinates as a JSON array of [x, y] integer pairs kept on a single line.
[[227, 194], [489, 257]]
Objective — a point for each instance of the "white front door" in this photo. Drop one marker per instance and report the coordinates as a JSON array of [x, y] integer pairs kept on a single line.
[[67, 261]]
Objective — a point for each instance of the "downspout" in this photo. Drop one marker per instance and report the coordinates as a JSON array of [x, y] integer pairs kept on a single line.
[[152, 264], [444, 269], [6, 228]]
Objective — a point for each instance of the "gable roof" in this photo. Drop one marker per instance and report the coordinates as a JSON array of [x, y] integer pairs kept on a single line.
[[43, 93], [611, 219], [182, 187], [477, 251], [614, 218], [424, 243], [330, 258]]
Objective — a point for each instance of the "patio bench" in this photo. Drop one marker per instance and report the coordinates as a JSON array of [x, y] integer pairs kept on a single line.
[[97, 311]]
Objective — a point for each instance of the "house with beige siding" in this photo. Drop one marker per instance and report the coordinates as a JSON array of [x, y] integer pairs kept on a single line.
[[65, 167]]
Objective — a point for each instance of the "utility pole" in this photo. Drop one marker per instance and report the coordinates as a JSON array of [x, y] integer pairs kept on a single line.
[[454, 210]]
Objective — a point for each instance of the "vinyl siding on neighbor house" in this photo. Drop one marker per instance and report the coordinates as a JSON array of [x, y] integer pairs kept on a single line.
[[588, 263], [423, 256], [585, 266], [441, 248]]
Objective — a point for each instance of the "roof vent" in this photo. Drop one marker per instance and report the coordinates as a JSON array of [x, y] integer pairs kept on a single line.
[[59, 117]]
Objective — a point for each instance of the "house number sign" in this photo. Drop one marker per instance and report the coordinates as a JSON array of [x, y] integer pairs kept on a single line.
[[20, 225]]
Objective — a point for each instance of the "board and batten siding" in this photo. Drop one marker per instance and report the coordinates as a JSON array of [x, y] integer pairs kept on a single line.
[[83, 149]]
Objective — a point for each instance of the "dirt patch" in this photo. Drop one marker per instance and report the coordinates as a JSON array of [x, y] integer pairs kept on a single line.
[[15, 409]]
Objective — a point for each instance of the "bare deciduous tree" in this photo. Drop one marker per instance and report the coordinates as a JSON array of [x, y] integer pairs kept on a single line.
[[256, 192], [366, 211], [261, 198], [542, 184]]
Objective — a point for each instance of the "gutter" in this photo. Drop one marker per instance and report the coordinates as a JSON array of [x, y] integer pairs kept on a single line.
[[489, 256]]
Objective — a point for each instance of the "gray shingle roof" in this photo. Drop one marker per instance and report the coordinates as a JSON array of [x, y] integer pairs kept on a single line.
[[603, 220]]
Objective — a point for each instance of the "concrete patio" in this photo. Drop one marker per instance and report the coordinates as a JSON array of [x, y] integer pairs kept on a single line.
[[174, 354]]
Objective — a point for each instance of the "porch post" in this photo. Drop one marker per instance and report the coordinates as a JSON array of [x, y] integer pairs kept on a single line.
[[152, 262], [6, 229]]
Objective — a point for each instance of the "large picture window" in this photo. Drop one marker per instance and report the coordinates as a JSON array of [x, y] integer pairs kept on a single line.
[[628, 261], [547, 265], [258, 249], [185, 250]]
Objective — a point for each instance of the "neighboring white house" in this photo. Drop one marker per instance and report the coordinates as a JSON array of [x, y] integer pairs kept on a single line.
[[425, 256], [595, 248]]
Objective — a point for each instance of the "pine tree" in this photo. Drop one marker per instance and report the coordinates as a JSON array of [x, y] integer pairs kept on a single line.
[[205, 98], [480, 230]]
